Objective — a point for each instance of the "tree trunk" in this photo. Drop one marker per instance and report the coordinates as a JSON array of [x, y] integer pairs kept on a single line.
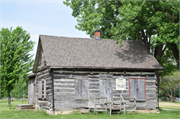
[[9, 98], [165, 97], [158, 53], [171, 95], [175, 51], [174, 95], [179, 89]]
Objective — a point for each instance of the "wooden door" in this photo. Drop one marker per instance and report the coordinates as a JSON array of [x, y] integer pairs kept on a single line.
[[105, 88], [31, 91]]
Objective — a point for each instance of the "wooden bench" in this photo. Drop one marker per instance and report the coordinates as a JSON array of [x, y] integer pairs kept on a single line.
[[124, 105], [108, 101]]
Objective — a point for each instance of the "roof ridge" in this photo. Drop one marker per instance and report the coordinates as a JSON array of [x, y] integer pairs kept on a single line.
[[83, 38], [64, 36]]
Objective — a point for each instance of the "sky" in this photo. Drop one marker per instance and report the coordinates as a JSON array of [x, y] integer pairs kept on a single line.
[[48, 17]]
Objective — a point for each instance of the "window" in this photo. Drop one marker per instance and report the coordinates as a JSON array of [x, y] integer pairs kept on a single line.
[[39, 89], [81, 88], [40, 85], [44, 88], [137, 88]]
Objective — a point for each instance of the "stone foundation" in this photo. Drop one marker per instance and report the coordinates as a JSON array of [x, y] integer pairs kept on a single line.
[[82, 111], [148, 111]]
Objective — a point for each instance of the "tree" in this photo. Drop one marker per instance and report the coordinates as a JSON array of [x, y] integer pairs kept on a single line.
[[15, 57], [20, 88], [171, 83], [155, 23]]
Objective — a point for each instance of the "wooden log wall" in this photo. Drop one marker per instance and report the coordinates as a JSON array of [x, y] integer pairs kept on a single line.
[[64, 89], [45, 77], [64, 92], [42, 62], [151, 92]]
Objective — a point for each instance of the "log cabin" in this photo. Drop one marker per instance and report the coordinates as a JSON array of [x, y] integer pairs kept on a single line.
[[69, 72]]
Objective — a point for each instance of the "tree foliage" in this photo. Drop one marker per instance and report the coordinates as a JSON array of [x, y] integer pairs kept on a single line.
[[20, 88], [170, 83], [155, 23], [15, 57]]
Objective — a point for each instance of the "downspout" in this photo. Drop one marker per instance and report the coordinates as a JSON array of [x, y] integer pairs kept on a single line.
[[52, 86]]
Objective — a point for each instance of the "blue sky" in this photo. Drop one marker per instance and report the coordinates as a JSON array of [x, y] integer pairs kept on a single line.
[[49, 17]]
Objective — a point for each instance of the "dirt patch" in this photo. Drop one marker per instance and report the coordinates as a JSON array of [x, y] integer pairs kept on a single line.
[[147, 111]]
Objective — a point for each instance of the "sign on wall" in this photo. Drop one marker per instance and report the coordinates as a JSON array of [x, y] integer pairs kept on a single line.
[[120, 84]]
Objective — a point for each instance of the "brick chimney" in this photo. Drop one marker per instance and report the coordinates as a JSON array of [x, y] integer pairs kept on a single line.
[[97, 35]]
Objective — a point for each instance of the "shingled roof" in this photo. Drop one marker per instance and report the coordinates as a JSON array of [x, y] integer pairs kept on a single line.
[[68, 52]]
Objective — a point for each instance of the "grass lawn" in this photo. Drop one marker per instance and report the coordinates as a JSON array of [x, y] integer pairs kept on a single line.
[[6, 113], [170, 105]]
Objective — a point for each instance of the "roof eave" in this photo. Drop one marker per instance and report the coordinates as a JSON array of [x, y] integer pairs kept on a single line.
[[31, 75], [37, 57], [120, 68]]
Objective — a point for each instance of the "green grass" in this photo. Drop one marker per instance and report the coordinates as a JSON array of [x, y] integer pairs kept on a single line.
[[170, 105], [6, 113]]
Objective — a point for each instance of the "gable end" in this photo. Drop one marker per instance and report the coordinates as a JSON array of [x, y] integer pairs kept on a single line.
[[40, 61]]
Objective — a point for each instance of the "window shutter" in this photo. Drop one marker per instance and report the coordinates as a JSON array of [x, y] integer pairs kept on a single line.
[[44, 88], [86, 89], [39, 89], [132, 88], [137, 88], [81, 88], [141, 88]]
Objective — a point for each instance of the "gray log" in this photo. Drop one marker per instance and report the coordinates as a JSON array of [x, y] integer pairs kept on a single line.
[[74, 104], [68, 86], [63, 94], [93, 84], [64, 90], [64, 82]]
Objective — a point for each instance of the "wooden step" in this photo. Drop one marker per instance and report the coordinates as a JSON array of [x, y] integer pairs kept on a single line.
[[100, 104], [132, 110], [25, 107], [100, 110], [105, 108], [118, 103], [100, 97]]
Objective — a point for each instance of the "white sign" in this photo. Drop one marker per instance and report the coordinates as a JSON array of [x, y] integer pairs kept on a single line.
[[120, 84]]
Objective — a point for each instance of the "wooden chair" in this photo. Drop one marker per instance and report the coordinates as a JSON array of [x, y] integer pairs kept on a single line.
[[124, 105], [108, 101]]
